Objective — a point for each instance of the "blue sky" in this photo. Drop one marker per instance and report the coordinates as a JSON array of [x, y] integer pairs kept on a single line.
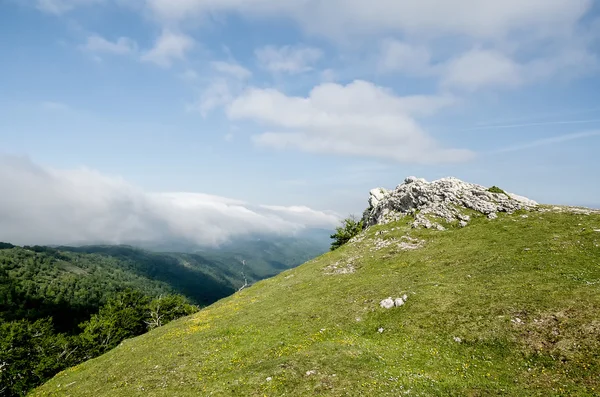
[[291, 110]]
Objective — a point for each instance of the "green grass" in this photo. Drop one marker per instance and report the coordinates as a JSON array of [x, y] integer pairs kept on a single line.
[[471, 283]]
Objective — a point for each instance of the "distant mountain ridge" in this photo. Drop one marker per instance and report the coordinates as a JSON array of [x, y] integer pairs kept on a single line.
[[204, 275]]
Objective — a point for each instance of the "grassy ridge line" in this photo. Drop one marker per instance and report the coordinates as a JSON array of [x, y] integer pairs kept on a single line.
[[522, 294]]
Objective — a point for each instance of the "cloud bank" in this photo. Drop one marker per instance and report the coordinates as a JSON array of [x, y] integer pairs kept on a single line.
[[48, 206]]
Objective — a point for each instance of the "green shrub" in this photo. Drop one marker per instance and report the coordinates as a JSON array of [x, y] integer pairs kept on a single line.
[[496, 189], [350, 227]]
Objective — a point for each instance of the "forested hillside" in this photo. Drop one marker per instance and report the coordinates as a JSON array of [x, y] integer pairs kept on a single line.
[[60, 306]]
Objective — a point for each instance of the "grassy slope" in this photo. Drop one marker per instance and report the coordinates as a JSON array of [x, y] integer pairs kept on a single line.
[[468, 283]]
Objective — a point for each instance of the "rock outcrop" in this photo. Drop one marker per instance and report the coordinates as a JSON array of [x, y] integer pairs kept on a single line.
[[447, 199]]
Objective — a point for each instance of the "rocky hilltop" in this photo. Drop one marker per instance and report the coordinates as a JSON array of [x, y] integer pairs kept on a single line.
[[447, 200]]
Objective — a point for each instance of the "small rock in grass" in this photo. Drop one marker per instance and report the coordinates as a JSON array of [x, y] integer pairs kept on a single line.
[[387, 303], [269, 379], [404, 297], [311, 372], [398, 302], [492, 215], [380, 330], [457, 339]]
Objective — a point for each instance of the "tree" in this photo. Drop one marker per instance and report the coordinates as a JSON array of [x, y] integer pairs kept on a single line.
[[121, 318], [30, 354], [165, 309], [350, 227]]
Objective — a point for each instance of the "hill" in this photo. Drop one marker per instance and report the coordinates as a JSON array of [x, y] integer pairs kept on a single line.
[[493, 296]]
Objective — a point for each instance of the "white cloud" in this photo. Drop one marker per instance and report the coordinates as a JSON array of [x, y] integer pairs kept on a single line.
[[48, 206], [359, 119], [169, 46], [346, 18], [572, 61], [288, 59], [218, 93], [304, 215], [340, 18], [222, 88], [399, 56], [480, 68], [477, 69], [233, 69], [496, 31], [122, 46], [189, 75], [328, 76], [505, 38]]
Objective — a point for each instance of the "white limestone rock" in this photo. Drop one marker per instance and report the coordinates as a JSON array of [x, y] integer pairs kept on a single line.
[[446, 199], [398, 302], [387, 303], [376, 195], [524, 200]]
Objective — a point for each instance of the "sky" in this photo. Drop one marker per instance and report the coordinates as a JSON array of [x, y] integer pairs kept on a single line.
[[210, 119]]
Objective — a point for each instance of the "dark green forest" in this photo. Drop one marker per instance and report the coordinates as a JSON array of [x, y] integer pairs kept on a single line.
[[60, 307]]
